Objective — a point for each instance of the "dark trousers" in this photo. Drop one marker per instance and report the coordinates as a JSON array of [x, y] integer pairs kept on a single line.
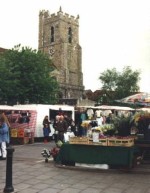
[[55, 137], [61, 136]]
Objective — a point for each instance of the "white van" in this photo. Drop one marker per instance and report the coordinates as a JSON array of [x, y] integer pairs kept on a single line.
[[39, 111]]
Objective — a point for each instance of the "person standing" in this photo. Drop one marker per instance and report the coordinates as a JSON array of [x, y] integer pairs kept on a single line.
[[56, 120], [61, 126], [4, 138], [46, 129], [83, 117], [46, 132], [73, 127]]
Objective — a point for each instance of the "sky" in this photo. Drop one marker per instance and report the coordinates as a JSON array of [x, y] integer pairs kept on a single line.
[[112, 33]]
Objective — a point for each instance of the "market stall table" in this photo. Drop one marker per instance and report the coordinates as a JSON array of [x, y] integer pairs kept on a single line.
[[144, 147], [70, 154]]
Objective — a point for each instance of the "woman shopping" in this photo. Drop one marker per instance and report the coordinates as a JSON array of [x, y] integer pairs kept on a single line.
[[46, 129]]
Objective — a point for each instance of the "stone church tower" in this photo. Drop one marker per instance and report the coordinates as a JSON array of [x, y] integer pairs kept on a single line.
[[59, 37]]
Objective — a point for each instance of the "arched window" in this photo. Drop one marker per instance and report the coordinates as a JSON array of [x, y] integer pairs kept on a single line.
[[70, 35], [52, 34]]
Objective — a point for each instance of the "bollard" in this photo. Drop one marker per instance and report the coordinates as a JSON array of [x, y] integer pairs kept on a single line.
[[8, 186]]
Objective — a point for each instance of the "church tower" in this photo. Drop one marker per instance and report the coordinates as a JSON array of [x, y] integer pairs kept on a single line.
[[59, 37]]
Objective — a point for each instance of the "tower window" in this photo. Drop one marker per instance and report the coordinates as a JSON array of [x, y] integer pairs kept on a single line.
[[70, 35], [52, 34]]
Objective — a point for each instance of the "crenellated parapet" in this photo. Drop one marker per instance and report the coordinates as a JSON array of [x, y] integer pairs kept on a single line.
[[44, 13], [59, 15]]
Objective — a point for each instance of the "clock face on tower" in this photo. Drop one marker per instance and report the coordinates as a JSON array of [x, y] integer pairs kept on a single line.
[[51, 51]]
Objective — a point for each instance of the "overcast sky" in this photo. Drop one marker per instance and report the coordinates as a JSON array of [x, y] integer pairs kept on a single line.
[[113, 33]]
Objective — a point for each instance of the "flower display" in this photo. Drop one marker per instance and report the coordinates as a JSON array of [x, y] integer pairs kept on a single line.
[[54, 152], [86, 124], [106, 129], [142, 121]]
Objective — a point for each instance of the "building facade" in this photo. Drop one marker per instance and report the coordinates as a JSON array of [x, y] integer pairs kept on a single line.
[[59, 38]]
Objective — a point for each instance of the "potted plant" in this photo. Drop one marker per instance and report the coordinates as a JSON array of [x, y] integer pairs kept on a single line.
[[142, 121], [122, 125], [54, 152]]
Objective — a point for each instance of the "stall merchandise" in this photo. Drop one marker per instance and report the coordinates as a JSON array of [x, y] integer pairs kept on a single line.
[[103, 141], [21, 136]]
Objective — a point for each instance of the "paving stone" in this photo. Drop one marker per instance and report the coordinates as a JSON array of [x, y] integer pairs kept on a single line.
[[70, 190], [50, 190], [112, 190], [91, 190], [32, 175]]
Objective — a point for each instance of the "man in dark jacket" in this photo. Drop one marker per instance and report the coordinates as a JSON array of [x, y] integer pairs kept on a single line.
[[61, 126]]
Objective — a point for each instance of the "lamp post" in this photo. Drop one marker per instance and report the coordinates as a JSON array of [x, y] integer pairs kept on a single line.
[[8, 186]]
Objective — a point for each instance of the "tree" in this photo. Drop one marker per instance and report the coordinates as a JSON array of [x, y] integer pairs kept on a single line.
[[109, 79], [25, 75], [123, 84]]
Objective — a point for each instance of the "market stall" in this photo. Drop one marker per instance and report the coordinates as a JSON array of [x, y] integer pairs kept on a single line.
[[21, 124], [142, 121], [114, 144], [25, 121], [95, 154]]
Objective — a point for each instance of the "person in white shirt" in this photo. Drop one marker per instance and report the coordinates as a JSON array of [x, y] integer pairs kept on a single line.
[[90, 113], [99, 117]]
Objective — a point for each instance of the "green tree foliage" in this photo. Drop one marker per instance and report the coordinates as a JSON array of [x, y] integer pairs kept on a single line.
[[109, 79], [122, 84], [25, 75]]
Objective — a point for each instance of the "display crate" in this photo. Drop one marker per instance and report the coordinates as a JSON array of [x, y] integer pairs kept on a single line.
[[20, 132], [128, 142], [102, 142], [78, 140], [26, 140], [14, 133]]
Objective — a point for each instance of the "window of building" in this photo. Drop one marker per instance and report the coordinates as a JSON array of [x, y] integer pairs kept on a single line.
[[52, 34], [70, 35]]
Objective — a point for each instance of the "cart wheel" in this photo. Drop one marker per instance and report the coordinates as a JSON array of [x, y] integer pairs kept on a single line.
[[46, 160]]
